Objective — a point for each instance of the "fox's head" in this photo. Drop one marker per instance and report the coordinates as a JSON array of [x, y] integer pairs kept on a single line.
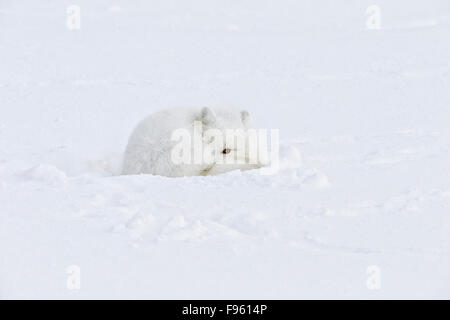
[[229, 141]]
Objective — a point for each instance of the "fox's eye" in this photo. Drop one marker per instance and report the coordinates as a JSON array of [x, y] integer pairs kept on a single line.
[[226, 151]]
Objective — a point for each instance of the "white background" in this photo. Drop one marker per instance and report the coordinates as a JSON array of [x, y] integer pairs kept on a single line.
[[363, 117]]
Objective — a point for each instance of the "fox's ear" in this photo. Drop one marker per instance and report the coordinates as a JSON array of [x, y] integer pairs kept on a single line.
[[245, 117], [208, 116]]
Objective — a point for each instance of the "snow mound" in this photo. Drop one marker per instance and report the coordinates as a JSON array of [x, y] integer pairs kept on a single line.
[[290, 157], [109, 165], [159, 209], [46, 174]]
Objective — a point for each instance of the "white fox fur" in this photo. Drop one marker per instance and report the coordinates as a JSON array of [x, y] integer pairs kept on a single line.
[[150, 146]]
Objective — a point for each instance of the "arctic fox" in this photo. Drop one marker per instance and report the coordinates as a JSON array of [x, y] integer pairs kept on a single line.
[[155, 147]]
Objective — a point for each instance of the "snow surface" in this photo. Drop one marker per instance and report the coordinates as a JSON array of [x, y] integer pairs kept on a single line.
[[363, 116]]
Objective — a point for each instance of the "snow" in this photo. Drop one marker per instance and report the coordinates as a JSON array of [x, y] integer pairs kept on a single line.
[[364, 182]]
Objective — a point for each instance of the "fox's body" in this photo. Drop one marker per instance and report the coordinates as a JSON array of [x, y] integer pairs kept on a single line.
[[151, 146]]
